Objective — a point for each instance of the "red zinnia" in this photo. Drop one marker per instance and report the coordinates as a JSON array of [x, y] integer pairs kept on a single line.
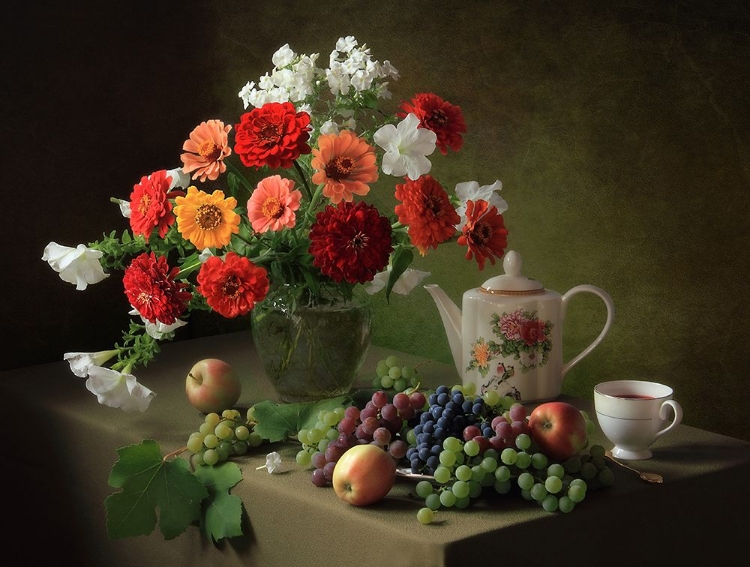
[[152, 290], [149, 206], [484, 232], [350, 242], [274, 135], [440, 116], [427, 211], [232, 286]]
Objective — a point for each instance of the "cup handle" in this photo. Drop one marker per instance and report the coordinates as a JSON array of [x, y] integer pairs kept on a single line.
[[610, 317], [664, 414]]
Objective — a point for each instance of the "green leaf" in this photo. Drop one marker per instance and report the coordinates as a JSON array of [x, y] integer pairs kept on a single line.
[[148, 482], [276, 422], [222, 512]]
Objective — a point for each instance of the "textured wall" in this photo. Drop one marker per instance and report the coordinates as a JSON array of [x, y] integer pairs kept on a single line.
[[620, 131]]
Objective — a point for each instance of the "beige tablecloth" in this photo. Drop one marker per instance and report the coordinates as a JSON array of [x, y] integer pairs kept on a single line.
[[59, 446]]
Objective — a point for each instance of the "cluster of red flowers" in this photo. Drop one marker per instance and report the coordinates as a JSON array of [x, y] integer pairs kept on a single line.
[[348, 242]]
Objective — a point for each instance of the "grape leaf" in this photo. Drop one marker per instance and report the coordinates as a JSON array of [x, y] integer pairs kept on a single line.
[[222, 512], [147, 481], [276, 422]]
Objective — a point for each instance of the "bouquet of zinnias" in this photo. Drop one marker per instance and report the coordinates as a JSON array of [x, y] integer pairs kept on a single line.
[[203, 236]]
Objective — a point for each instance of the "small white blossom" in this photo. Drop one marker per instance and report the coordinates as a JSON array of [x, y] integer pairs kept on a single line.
[[329, 127], [273, 462], [406, 146], [80, 362], [159, 330], [404, 284], [205, 255], [124, 207], [79, 266], [470, 190], [179, 178], [283, 56], [346, 44], [118, 390]]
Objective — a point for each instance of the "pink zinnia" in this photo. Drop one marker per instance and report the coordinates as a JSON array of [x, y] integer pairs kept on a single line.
[[272, 204]]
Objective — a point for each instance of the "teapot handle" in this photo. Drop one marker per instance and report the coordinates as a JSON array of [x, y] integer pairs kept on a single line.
[[610, 317]]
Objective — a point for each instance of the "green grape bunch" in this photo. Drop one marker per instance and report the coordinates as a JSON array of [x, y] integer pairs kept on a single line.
[[394, 376], [221, 437]]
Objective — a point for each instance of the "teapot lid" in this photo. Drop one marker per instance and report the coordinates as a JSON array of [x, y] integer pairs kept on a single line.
[[512, 282]]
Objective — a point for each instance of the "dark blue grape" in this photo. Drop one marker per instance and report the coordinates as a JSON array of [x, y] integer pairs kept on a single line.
[[432, 399], [443, 398], [432, 463], [442, 390], [424, 453], [436, 411], [444, 422], [439, 433]]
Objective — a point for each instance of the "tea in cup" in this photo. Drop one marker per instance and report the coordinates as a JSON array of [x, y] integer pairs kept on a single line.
[[633, 413]]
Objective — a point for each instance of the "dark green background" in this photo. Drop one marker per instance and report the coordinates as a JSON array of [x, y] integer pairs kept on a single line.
[[620, 131]]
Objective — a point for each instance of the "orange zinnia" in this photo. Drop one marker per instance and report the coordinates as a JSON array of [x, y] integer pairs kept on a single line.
[[206, 149], [208, 221], [345, 163]]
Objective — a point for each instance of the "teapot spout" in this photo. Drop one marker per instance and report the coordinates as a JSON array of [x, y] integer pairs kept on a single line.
[[451, 317]]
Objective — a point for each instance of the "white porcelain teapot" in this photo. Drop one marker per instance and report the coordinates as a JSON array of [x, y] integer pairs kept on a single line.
[[509, 336]]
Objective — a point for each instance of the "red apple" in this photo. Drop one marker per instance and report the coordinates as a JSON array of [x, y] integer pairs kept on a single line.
[[558, 429], [364, 474], [212, 386]]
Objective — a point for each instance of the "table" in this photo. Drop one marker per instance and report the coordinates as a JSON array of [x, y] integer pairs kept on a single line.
[[60, 444]]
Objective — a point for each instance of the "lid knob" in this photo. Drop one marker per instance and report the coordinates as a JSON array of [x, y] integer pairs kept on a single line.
[[512, 263], [512, 282]]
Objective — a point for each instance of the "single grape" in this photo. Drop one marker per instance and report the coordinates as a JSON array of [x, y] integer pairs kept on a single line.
[[425, 515], [318, 478], [442, 474], [525, 481], [556, 469], [606, 477], [517, 412], [523, 441], [461, 489], [447, 458], [212, 419], [539, 461], [553, 484], [424, 488], [447, 498], [463, 472], [392, 361], [550, 503], [565, 504], [195, 444], [398, 449], [523, 460], [211, 441], [210, 457], [509, 456], [538, 492], [576, 493], [239, 447], [432, 501], [254, 439], [502, 473], [223, 431], [241, 432], [471, 448]]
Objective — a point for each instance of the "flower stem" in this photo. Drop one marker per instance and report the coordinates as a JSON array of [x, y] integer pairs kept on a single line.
[[303, 178], [238, 174]]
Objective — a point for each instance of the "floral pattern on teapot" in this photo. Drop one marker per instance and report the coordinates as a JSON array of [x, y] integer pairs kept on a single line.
[[523, 337]]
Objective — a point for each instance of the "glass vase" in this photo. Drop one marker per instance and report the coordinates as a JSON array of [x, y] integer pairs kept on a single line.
[[311, 351]]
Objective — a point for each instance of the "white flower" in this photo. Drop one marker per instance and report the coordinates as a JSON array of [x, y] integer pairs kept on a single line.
[[329, 127], [118, 390], [273, 462], [124, 207], [80, 362], [283, 56], [159, 330], [79, 266], [404, 284], [406, 146], [179, 178], [246, 92], [205, 255], [470, 190], [346, 44]]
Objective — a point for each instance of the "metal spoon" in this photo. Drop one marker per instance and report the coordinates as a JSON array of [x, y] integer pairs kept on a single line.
[[647, 476]]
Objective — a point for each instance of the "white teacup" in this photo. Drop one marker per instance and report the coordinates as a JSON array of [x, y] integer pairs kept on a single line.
[[633, 413]]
